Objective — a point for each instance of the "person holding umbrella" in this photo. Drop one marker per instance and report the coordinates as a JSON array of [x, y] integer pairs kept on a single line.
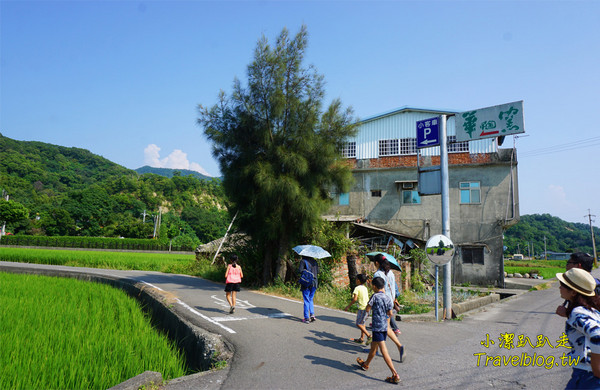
[[309, 272], [308, 266]]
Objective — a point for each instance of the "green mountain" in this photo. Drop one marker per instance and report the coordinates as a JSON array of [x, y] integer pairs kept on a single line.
[[31, 172], [168, 172], [71, 191], [560, 236]]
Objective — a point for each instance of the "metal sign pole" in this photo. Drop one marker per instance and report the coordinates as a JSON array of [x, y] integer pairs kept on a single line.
[[436, 292], [445, 215]]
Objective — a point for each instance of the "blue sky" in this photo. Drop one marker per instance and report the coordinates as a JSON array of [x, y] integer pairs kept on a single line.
[[124, 78]]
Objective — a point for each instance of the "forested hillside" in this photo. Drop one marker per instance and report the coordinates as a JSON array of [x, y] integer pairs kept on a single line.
[[71, 191], [168, 172], [561, 236]]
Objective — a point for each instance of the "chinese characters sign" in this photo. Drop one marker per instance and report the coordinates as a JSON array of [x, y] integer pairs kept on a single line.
[[496, 121], [428, 132]]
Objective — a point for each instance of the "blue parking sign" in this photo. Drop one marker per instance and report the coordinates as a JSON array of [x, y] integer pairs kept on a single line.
[[428, 132]]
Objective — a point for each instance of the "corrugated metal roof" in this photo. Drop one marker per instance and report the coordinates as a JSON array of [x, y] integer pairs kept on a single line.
[[401, 123], [407, 109]]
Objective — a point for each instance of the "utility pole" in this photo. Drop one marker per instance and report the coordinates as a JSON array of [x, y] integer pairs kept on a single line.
[[445, 194], [157, 219], [3, 229], [593, 238]]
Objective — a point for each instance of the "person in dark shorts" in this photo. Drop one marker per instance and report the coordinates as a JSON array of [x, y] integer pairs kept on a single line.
[[233, 279], [382, 305]]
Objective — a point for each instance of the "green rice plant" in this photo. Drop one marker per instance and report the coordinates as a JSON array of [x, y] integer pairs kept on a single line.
[[162, 262], [60, 333], [546, 272], [536, 263]]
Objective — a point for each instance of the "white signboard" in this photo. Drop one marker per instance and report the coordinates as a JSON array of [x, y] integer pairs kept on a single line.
[[490, 122]]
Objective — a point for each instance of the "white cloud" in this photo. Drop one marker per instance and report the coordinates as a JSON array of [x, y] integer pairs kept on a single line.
[[176, 160], [558, 195]]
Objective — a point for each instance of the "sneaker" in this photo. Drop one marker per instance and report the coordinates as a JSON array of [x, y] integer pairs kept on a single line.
[[313, 319], [231, 310], [397, 331], [306, 320]]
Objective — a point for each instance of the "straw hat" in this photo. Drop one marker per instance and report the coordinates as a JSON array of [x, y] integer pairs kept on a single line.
[[579, 280]]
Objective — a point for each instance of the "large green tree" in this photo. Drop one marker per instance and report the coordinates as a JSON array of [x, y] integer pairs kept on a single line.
[[278, 149], [11, 211]]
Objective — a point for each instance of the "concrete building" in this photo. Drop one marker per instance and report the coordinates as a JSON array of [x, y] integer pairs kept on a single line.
[[385, 197]]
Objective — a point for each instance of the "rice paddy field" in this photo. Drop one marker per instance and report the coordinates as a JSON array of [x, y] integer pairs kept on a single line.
[[546, 268], [162, 262], [58, 333]]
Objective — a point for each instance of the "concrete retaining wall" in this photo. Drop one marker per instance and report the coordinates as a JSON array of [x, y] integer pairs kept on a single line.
[[459, 308]]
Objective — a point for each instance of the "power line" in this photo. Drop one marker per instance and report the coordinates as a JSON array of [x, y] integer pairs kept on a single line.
[[581, 144]]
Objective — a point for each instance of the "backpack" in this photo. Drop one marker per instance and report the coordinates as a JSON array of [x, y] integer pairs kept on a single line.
[[306, 277]]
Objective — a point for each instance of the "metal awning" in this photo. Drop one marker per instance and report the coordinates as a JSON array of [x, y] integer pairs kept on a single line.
[[342, 218]]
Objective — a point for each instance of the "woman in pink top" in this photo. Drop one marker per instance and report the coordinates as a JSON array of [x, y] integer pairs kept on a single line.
[[233, 279]]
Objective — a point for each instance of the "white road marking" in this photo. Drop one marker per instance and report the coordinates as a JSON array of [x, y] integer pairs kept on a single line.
[[239, 303], [244, 304], [252, 317], [205, 317], [151, 285], [194, 311]]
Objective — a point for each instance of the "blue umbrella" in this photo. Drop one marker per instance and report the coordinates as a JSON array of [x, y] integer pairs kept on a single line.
[[316, 252], [391, 259]]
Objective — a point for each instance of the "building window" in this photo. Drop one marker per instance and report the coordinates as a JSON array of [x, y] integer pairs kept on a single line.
[[344, 199], [470, 192], [472, 255], [457, 147], [388, 147], [411, 197], [408, 146], [349, 149], [376, 193]]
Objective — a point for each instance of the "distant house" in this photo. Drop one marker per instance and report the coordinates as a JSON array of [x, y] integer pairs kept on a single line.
[[386, 197], [556, 256]]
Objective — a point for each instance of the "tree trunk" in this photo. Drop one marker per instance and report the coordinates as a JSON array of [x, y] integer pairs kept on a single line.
[[352, 271], [267, 277], [281, 267]]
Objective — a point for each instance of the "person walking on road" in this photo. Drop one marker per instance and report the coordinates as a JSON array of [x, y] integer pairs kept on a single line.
[[360, 296], [582, 327], [384, 272], [310, 268], [382, 306], [233, 279]]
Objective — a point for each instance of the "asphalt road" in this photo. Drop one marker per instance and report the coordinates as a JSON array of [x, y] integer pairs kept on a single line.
[[275, 350]]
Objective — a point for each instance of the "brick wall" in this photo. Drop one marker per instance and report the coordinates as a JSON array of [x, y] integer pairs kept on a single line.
[[340, 273], [411, 161]]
